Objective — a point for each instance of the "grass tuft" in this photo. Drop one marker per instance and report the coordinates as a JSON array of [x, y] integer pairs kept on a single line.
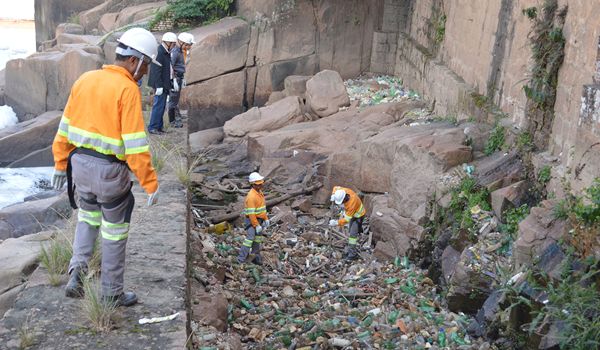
[[55, 258], [26, 335], [98, 312]]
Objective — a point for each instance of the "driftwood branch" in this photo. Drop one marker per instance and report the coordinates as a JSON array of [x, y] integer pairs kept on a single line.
[[270, 203]]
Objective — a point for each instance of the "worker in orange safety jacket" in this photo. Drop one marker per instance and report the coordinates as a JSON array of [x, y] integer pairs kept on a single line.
[[100, 138], [255, 210], [353, 213]]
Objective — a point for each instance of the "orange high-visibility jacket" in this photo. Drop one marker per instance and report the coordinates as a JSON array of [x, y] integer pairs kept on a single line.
[[104, 113], [255, 207], [353, 208]]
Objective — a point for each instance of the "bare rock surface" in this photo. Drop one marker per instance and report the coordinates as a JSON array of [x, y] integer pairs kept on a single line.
[[28, 137], [220, 47], [43, 81], [201, 139], [326, 93], [18, 258], [279, 114], [213, 102], [400, 233], [135, 13], [34, 216], [537, 232]]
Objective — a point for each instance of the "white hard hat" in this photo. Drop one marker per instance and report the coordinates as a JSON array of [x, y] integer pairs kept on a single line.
[[138, 41], [255, 178], [338, 196], [169, 37], [186, 38]]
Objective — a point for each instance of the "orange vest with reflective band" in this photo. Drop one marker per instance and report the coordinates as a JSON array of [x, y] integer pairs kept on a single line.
[[104, 113], [353, 208], [255, 207]]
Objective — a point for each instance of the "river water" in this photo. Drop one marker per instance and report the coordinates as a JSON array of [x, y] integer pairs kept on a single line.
[[17, 40]]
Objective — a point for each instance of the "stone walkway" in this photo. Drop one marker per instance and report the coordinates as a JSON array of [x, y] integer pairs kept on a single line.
[[156, 263]]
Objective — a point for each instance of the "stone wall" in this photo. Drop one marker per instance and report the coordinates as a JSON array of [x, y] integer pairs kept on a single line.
[[485, 52]]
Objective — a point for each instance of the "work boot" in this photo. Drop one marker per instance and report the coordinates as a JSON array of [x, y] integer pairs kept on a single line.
[[177, 124], [74, 287], [258, 260], [123, 299], [244, 251]]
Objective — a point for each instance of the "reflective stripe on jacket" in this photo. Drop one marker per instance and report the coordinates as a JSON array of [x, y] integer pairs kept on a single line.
[[104, 113], [353, 208], [255, 207]]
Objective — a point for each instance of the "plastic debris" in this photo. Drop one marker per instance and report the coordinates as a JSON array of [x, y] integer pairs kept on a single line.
[[158, 319]]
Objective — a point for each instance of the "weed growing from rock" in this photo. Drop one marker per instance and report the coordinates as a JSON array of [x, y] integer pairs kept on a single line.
[[55, 258], [496, 140], [98, 312], [573, 306], [26, 335], [182, 169]]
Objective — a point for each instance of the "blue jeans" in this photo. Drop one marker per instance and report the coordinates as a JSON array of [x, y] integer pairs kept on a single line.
[[158, 110]]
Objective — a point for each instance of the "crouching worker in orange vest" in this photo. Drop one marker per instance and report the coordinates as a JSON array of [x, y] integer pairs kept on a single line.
[[353, 213], [100, 138], [256, 220]]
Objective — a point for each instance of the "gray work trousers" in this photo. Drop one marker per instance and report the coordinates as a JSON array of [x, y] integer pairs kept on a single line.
[[174, 98], [105, 206], [252, 243]]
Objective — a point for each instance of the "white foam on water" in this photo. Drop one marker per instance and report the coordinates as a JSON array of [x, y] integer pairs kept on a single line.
[[18, 183], [7, 117]]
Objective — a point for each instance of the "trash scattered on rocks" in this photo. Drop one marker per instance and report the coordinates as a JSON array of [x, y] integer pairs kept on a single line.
[[306, 296], [369, 91]]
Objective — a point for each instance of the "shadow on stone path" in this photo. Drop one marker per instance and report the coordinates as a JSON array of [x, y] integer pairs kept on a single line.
[[155, 270]]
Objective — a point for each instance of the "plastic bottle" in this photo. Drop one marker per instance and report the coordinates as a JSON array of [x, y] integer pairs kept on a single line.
[[442, 337]]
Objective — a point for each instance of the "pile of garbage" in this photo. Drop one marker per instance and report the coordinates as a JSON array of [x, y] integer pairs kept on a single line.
[[305, 296], [369, 91]]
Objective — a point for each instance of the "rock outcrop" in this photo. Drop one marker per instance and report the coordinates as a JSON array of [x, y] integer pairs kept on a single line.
[[18, 258], [43, 81], [326, 93], [537, 232], [220, 47], [28, 137], [279, 114], [213, 102], [34, 216]]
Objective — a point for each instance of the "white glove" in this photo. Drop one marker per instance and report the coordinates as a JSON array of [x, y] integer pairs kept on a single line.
[[58, 179], [258, 229], [333, 223], [183, 83], [266, 223], [175, 85], [153, 197], [158, 92]]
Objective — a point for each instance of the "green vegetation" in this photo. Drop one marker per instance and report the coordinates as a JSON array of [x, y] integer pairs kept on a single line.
[[496, 140], [524, 142], [466, 198], [186, 13], [583, 214], [513, 217], [96, 310], [573, 305], [55, 258], [26, 335], [547, 46], [544, 175], [440, 29]]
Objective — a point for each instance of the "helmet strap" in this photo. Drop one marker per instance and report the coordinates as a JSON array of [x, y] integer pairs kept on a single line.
[[140, 61]]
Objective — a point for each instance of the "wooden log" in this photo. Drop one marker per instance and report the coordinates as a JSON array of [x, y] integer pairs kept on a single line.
[[270, 203]]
